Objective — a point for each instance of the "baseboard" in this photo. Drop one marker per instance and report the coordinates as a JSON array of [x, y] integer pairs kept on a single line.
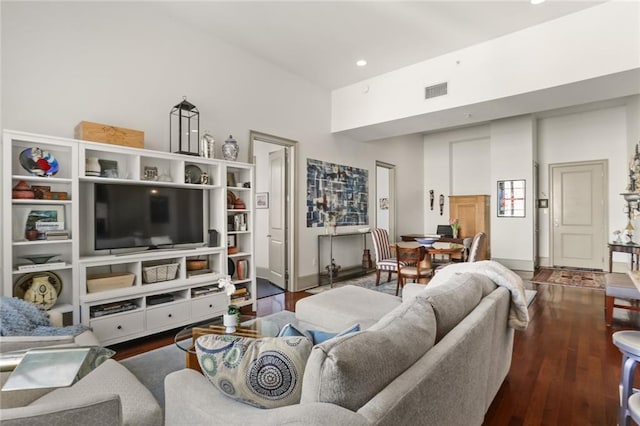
[[516, 264], [307, 282]]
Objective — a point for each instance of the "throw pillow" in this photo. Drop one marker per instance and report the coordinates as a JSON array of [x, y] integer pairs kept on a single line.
[[316, 336], [265, 372]]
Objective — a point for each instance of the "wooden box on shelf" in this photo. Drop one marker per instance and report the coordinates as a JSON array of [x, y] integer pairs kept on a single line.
[[105, 133]]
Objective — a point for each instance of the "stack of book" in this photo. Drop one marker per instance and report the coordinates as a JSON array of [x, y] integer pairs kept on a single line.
[[112, 308], [57, 235], [240, 295]]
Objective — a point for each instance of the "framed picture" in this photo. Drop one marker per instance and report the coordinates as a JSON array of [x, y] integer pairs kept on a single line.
[[231, 240], [511, 198], [26, 217], [262, 200]]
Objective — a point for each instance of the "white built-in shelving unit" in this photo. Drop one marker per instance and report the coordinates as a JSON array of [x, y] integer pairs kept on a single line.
[[75, 302]]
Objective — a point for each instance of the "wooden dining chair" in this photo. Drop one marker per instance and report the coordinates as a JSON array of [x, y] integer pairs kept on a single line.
[[412, 264]]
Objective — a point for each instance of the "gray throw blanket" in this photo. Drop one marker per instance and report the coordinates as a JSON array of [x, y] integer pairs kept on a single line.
[[20, 318], [503, 277]]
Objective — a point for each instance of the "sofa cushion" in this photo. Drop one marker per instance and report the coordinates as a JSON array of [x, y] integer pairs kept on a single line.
[[342, 307], [265, 372], [350, 370], [453, 299]]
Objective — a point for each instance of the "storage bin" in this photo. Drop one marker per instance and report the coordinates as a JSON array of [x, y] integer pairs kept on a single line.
[[103, 282], [158, 273]]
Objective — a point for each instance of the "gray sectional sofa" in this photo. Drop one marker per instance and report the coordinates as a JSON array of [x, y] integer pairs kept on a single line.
[[438, 357]]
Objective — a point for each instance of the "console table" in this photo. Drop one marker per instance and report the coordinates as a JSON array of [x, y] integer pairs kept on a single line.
[[346, 272], [631, 248]]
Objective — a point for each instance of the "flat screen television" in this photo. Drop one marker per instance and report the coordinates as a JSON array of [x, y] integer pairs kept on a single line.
[[130, 216]]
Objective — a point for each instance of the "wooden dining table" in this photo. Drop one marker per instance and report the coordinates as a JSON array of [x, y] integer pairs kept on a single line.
[[438, 248]]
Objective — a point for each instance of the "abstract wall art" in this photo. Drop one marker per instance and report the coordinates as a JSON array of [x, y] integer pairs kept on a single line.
[[336, 193]]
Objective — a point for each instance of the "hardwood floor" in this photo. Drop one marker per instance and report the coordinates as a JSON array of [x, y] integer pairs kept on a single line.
[[565, 368]]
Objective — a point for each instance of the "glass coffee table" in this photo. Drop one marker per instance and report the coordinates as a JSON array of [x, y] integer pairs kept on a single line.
[[250, 326]]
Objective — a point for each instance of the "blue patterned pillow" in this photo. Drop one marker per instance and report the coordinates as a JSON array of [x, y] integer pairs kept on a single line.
[[316, 336], [265, 372]]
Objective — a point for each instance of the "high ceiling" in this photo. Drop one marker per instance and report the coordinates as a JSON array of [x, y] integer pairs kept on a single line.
[[322, 40]]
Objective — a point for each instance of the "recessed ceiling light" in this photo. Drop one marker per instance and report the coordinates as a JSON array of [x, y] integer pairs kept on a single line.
[[361, 63], [537, 1]]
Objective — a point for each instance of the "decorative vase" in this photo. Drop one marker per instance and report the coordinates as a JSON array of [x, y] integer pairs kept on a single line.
[[454, 232], [230, 322], [230, 149], [92, 166], [41, 293], [207, 145]]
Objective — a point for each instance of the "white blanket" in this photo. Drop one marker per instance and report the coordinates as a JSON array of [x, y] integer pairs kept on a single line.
[[502, 276]]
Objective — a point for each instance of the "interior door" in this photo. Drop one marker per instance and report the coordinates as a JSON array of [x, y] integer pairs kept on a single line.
[[578, 214], [277, 221]]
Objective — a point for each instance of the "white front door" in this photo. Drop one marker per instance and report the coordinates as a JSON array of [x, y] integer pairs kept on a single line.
[[578, 214], [277, 218]]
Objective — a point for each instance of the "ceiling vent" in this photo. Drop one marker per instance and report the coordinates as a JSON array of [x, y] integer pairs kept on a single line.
[[435, 90]]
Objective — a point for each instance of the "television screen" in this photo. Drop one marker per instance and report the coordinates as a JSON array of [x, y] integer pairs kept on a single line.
[[146, 216]]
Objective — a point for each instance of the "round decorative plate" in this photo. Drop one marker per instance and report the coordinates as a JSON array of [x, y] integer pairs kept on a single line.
[[193, 172], [25, 281], [39, 258], [39, 162]]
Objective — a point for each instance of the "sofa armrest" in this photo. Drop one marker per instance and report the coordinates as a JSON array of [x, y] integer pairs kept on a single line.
[[410, 290], [90, 409], [191, 399]]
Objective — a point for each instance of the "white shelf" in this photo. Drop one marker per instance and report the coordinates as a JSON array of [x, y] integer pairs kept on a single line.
[[79, 252]]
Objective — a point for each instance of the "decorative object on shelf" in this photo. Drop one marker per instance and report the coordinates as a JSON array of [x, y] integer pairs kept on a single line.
[[455, 226], [108, 168], [157, 273], [431, 198], [617, 233], [150, 173], [238, 204], [231, 199], [204, 178], [230, 149], [231, 179], [196, 264], [109, 281], [367, 263], [38, 259], [231, 245], [184, 124], [106, 133], [40, 288], [22, 191], [213, 238], [53, 195], [231, 267], [41, 192], [192, 174], [39, 162], [207, 145], [262, 200], [31, 234], [333, 269], [91, 166], [441, 204]]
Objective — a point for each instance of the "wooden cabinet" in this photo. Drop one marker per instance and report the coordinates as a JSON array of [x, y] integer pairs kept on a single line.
[[472, 212]]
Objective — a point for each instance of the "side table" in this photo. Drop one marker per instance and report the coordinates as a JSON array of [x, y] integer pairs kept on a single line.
[[631, 248]]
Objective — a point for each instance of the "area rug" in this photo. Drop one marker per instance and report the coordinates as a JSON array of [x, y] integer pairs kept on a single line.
[[152, 367], [570, 277]]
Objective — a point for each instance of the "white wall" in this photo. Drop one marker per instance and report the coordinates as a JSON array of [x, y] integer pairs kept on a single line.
[[544, 56], [512, 159], [589, 135], [121, 63]]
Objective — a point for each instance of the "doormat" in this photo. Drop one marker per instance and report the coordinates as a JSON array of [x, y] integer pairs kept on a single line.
[[570, 277]]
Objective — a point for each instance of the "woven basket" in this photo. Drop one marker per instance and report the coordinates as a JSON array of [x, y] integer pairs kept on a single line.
[[158, 273]]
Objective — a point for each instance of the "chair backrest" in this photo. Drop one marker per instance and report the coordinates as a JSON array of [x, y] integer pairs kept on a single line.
[[410, 256], [476, 246], [380, 238]]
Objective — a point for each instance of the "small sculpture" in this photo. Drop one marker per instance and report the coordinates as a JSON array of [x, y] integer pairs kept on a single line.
[[617, 233], [333, 269]]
